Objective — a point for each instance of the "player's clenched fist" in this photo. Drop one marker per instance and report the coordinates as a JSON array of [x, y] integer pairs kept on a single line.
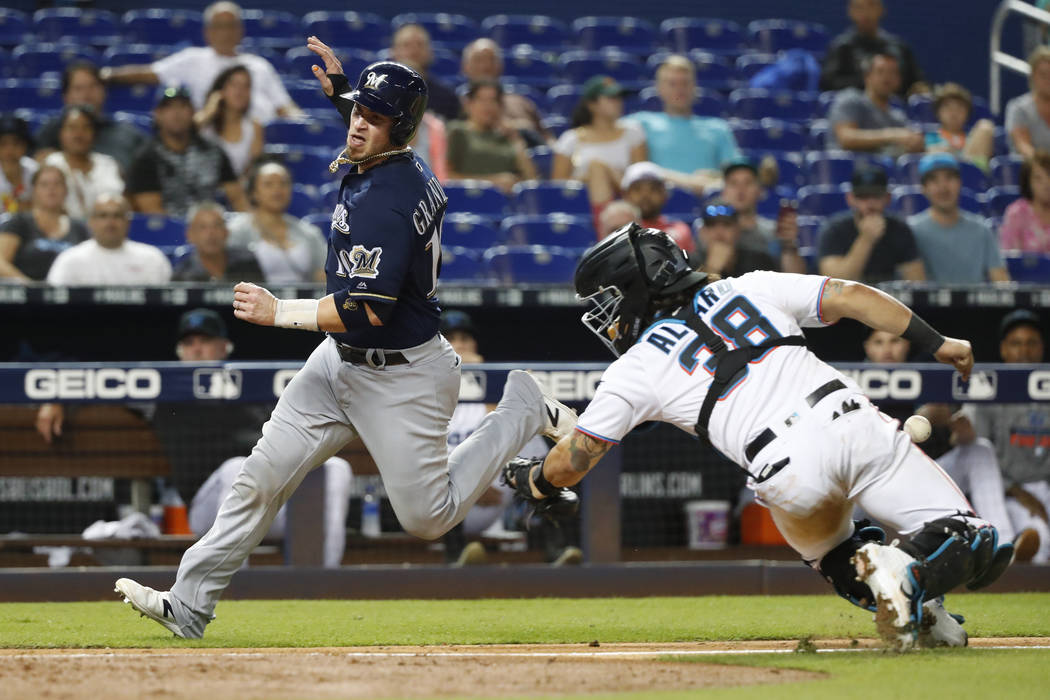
[[254, 304], [957, 353]]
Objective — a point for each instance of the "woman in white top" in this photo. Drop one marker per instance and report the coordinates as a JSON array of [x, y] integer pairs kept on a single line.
[[598, 148], [16, 168], [88, 174], [225, 121], [289, 250]]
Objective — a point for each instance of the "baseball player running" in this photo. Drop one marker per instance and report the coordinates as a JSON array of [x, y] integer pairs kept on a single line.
[[725, 359], [383, 374]]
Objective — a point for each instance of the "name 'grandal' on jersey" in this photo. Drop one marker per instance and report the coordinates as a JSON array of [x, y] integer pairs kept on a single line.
[[428, 207]]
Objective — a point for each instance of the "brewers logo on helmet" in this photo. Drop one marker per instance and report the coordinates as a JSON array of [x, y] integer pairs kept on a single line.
[[395, 90]]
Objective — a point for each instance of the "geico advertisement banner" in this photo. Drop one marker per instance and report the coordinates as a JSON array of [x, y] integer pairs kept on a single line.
[[573, 383]]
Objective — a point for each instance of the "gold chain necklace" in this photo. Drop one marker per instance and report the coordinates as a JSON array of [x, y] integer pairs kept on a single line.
[[341, 160]]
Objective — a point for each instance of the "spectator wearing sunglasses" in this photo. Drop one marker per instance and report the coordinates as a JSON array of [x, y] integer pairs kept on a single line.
[[721, 251]]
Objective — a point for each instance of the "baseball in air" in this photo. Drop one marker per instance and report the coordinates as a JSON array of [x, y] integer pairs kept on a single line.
[[918, 428]]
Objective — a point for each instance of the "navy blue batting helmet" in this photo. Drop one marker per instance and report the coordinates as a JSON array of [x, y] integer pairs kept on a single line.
[[395, 90]]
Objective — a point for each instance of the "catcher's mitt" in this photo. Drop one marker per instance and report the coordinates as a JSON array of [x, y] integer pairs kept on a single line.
[[562, 504]]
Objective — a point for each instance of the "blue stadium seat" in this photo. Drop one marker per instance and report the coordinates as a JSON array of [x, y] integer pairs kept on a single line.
[[530, 264], [33, 60], [708, 103], [909, 200], [751, 63], [530, 66], [322, 221], [475, 197], [751, 104], [973, 178], [769, 134], [447, 30], [329, 194], [306, 199], [265, 48], [14, 27], [308, 95], [818, 135], [920, 108], [683, 34], [308, 166], [713, 71], [821, 200], [445, 65], [999, 198], [561, 99], [563, 196], [31, 94], [578, 66], [1006, 170], [630, 34], [134, 54], [309, 132], [538, 31], [460, 265], [362, 30], [1028, 267], [278, 29], [790, 166], [681, 204], [829, 167], [97, 27], [809, 228], [543, 158], [1002, 142], [36, 118], [537, 95], [556, 124], [163, 26], [772, 35], [299, 59], [471, 231], [130, 98], [157, 230], [141, 121], [561, 230]]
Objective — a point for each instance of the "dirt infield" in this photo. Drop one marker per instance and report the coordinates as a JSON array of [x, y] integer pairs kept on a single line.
[[378, 672]]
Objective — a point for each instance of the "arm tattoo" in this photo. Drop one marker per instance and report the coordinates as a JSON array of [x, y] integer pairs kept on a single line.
[[585, 451], [833, 287]]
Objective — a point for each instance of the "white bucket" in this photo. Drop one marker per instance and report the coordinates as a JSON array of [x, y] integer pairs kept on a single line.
[[708, 523]]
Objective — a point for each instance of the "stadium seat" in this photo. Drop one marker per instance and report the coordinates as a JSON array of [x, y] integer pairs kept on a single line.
[[308, 166], [560, 230], [538, 31], [556, 124], [537, 95], [562, 196], [529, 264], [95, 27], [299, 59], [328, 193], [712, 71], [920, 108], [829, 167], [543, 158], [130, 98], [471, 231], [561, 99], [909, 200], [769, 134], [278, 29], [1006, 170], [475, 197], [1028, 267], [459, 265], [809, 228], [134, 54], [308, 132], [362, 30], [14, 27], [709, 103], [306, 199], [447, 30], [681, 204], [33, 60], [157, 230], [308, 95], [530, 66], [36, 118], [683, 34], [773, 35], [629, 34], [821, 200], [751, 63], [322, 221], [578, 66], [141, 121], [30, 93], [789, 165], [973, 178], [999, 198], [752, 104], [158, 26]]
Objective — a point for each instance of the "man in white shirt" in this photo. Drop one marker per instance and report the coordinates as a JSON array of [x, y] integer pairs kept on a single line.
[[196, 67], [109, 258]]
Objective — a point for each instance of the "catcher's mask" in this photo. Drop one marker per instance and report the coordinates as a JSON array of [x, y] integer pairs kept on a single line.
[[628, 277]]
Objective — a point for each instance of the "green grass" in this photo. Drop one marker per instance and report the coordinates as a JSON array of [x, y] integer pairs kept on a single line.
[[303, 623]]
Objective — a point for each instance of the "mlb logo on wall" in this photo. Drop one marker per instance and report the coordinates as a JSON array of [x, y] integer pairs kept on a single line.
[[217, 383], [983, 386]]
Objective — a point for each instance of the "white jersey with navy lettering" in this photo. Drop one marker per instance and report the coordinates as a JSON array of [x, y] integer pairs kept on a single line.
[[665, 375]]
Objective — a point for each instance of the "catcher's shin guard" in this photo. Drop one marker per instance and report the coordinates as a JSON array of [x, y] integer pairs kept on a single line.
[[837, 568], [950, 552]]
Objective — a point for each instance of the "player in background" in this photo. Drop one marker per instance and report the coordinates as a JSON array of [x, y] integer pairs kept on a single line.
[[731, 352], [383, 373]]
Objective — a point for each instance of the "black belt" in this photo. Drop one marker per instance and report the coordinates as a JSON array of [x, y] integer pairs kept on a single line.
[[372, 357], [767, 436]]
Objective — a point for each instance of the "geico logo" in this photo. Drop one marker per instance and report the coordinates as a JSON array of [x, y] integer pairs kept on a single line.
[[280, 380], [903, 384], [570, 385], [107, 383], [1039, 385]]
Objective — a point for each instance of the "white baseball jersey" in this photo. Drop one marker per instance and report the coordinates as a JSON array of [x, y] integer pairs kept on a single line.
[[665, 375]]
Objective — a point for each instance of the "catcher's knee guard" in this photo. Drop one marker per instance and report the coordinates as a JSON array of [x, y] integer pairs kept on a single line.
[[951, 551], [837, 567]]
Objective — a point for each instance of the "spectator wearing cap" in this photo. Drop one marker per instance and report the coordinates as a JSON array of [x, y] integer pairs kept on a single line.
[[202, 337], [483, 60], [599, 146], [410, 45], [178, 168], [720, 239], [953, 105], [742, 189], [1028, 128], [212, 260], [956, 246], [680, 141], [866, 120], [88, 173], [866, 244], [196, 67], [81, 85], [842, 64], [1026, 226], [16, 167], [644, 187]]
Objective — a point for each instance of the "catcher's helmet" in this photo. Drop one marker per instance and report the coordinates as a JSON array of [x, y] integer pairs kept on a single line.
[[395, 90], [629, 276]]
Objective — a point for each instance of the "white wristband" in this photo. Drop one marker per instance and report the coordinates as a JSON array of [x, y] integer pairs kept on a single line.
[[296, 313]]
